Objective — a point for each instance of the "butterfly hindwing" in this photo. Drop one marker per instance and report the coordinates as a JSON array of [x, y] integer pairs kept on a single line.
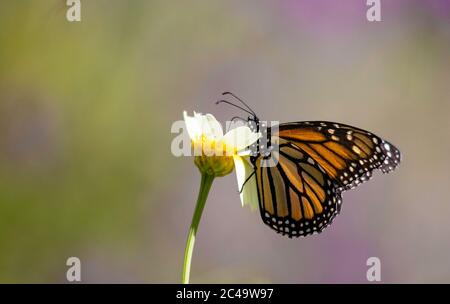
[[296, 196]]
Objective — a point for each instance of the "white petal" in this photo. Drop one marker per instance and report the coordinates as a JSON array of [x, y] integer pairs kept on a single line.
[[241, 137], [215, 126], [246, 152], [209, 126], [249, 195], [193, 125]]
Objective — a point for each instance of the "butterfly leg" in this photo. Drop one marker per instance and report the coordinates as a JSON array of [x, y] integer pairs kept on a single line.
[[238, 117], [246, 180]]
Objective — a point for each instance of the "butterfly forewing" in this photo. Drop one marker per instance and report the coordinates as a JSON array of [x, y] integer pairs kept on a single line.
[[347, 154]]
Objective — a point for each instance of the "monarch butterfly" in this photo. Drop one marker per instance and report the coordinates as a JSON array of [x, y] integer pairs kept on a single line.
[[300, 194]]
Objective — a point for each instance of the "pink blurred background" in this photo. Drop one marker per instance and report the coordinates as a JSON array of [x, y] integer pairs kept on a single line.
[[85, 116]]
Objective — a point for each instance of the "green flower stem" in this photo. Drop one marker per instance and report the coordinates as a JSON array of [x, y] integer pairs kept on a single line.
[[205, 186]]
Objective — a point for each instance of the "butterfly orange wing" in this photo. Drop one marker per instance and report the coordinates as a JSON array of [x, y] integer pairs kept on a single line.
[[300, 185]]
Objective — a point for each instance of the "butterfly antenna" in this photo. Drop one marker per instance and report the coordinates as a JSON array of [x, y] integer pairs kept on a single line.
[[243, 102], [234, 105]]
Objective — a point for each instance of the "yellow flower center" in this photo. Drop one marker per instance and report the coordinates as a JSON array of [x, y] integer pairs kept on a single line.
[[213, 157], [211, 147]]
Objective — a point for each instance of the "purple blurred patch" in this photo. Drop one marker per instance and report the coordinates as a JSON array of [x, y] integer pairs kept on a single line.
[[327, 16]]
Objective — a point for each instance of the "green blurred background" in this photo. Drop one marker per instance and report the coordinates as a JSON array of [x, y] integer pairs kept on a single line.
[[86, 110]]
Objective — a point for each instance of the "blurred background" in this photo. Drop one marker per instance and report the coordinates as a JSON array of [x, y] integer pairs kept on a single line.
[[86, 109]]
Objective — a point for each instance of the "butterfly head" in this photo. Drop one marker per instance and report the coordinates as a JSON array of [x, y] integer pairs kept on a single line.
[[263, 146]]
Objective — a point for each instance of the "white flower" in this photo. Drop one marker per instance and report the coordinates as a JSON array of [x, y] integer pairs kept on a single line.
[[249, 194], [217, 154]]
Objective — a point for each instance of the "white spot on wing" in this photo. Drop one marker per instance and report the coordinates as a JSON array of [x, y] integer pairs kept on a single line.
[[356, 149]]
